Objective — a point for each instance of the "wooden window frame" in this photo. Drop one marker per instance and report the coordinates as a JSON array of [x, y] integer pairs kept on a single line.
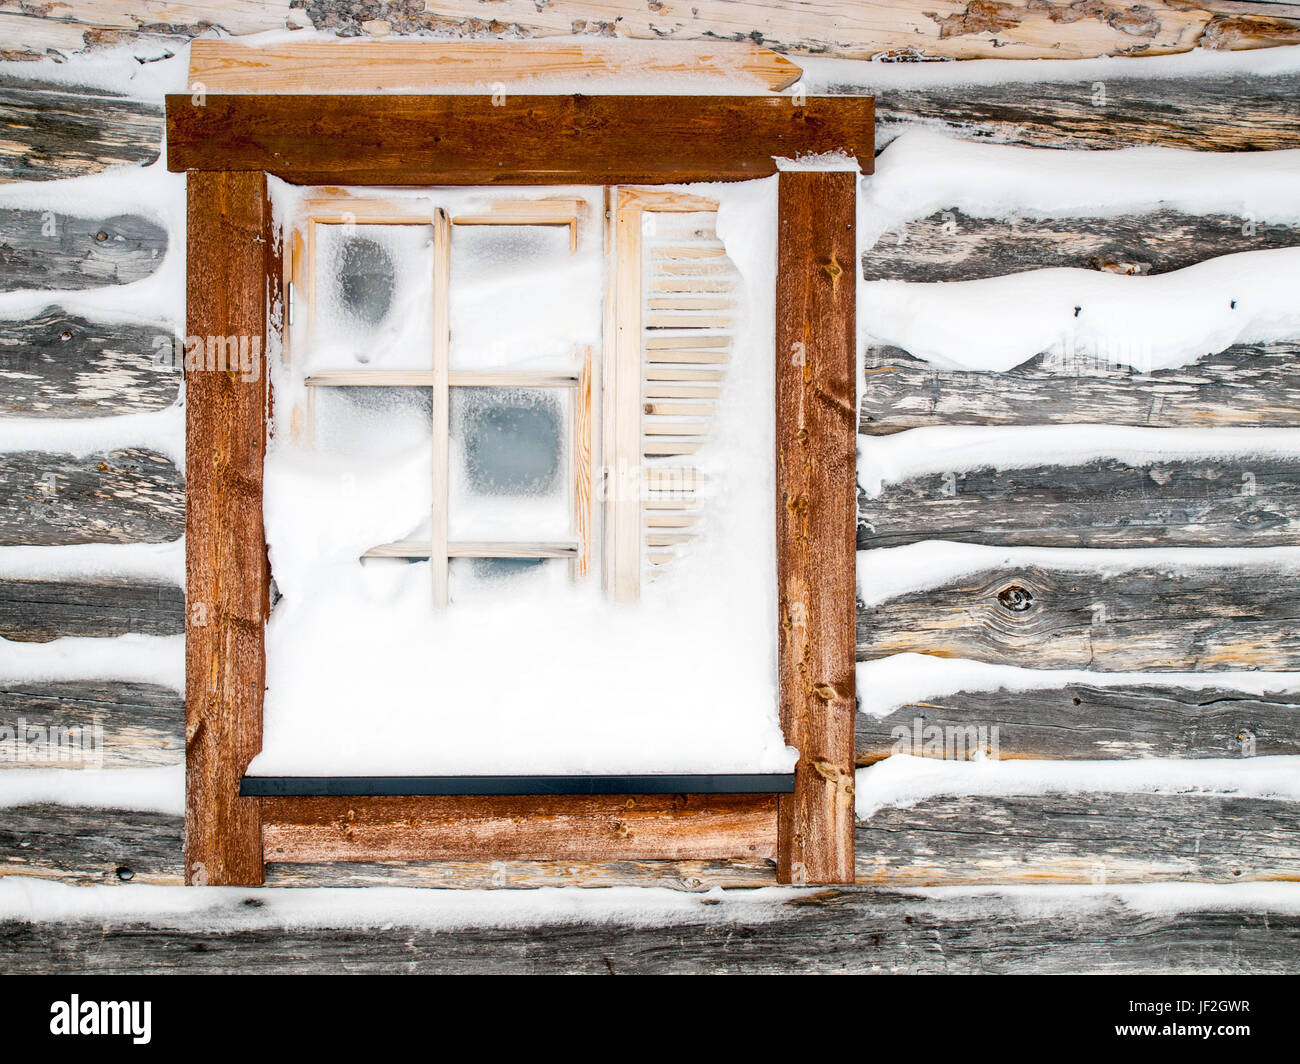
[[227, 145]]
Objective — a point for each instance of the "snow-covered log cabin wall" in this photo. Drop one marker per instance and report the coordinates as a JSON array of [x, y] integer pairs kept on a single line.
[[1104, 598]]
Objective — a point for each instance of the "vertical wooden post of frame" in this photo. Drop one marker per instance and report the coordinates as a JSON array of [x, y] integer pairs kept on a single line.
[[230, 263], [816, 499]]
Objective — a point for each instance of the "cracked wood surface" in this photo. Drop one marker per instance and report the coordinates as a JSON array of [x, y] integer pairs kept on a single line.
[[954, 29], [846, 930], [1131, 620], [1094, 722]]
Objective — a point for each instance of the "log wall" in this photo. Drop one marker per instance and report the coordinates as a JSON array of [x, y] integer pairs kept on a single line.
[[63, 357]]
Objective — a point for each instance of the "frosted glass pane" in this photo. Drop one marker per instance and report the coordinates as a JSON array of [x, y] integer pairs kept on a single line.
[[520, 298], [509, 463], [477, 579], [374, 297], [373, 422]]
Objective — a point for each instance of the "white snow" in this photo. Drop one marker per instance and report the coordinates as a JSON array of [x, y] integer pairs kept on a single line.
[[1154, 899], [364, 677], [155, 790], [924, 171], [147, 562], [904, 780], [890, 683], [126, 658], [157, 430], [1154, 322], [221, 908], [27, 900], [824, 74], [888, 572], [893, 459], [137, 70]]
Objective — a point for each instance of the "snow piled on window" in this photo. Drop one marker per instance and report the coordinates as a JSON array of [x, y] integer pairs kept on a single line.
[[524, 673]]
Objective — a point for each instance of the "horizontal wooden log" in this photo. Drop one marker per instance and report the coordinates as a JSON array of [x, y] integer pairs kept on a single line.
[[1235, 112], [1246, 501], [448, 65], [1246, 385], [54, 251], [142, 725], [40, 610], [527, 875], [954, 29], [86, 846], [976, 840], [62, 365], [56, 131], [124, 496], [481, 140], [1096, 722], [854, 929], [569, 827], [1128, 621], [954, 246]]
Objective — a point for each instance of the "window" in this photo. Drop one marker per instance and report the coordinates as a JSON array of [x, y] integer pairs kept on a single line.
[[228, 145], [461, 308]]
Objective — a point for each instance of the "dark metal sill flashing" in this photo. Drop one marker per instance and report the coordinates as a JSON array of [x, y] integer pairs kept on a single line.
[[432, 786]]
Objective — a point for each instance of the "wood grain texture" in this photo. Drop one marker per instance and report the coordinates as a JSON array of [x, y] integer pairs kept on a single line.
[[954, 246], [469, 140], [694, 876], [1246, 385], [857, 929], [1130, 620], [954, 29], [58, 364], [1238, 112], [231, 268], [1099, 722], [88, 846], [143, 724], [438, 66], [555, 827], [41, 610], [1244, 501], [53, 251], [54, 131], [815, 477], [125, 496], [84, 846], [1081, 838]]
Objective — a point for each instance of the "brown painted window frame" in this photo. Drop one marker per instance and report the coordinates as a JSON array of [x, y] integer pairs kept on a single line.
[[227, 145]]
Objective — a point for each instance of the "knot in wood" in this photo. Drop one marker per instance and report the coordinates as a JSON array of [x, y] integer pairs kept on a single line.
[[1015, 598]]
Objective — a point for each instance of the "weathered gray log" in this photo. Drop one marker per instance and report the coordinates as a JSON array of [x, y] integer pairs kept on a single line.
[[62, 365], [1131, 620], [1244, 501], [41, 610], [1250, 384], [125, 496], [527, 875], [975, 840], [85, 846], [843, 930], [1094, 722], [55, 251], [142, 725], [954, 246], [57, 131], [80, 846], [1209, 112]]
